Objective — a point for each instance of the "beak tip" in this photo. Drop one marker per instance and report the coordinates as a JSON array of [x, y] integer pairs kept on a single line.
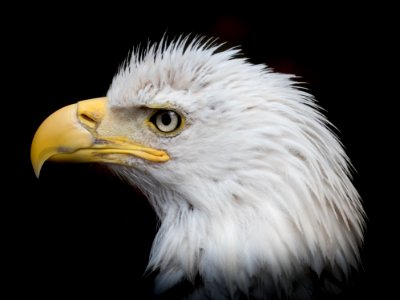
[[36, 169], [37, 163]]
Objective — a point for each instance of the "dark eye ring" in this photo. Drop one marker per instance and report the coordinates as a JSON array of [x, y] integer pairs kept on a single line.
[[166, 121]]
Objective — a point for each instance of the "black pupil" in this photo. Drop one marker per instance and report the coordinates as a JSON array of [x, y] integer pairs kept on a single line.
[[166, 118]]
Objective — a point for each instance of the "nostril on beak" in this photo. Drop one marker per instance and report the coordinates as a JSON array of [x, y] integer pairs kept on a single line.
[[88, 120], [91, 112]]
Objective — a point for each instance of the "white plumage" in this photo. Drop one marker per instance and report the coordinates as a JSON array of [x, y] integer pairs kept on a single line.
[[257, 192]]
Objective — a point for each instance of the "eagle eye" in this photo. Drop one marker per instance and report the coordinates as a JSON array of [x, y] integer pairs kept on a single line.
[[166, 121]]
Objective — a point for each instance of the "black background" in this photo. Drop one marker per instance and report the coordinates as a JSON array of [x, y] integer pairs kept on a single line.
[[80, 232]]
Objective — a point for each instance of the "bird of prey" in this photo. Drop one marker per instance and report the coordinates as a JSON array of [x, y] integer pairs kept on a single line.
[[251, 186]]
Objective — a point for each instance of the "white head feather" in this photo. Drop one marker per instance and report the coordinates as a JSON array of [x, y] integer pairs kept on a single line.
[[257, 191]]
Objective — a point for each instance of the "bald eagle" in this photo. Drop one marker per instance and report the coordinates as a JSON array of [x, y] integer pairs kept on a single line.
[[251, 186]]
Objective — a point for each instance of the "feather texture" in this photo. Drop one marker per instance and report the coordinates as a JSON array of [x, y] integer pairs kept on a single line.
[[258, 190]]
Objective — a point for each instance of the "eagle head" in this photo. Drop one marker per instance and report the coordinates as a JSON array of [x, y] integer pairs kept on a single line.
[[252, 188]]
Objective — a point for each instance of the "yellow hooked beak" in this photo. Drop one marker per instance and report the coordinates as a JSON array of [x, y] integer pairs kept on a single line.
[[70, 135]]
